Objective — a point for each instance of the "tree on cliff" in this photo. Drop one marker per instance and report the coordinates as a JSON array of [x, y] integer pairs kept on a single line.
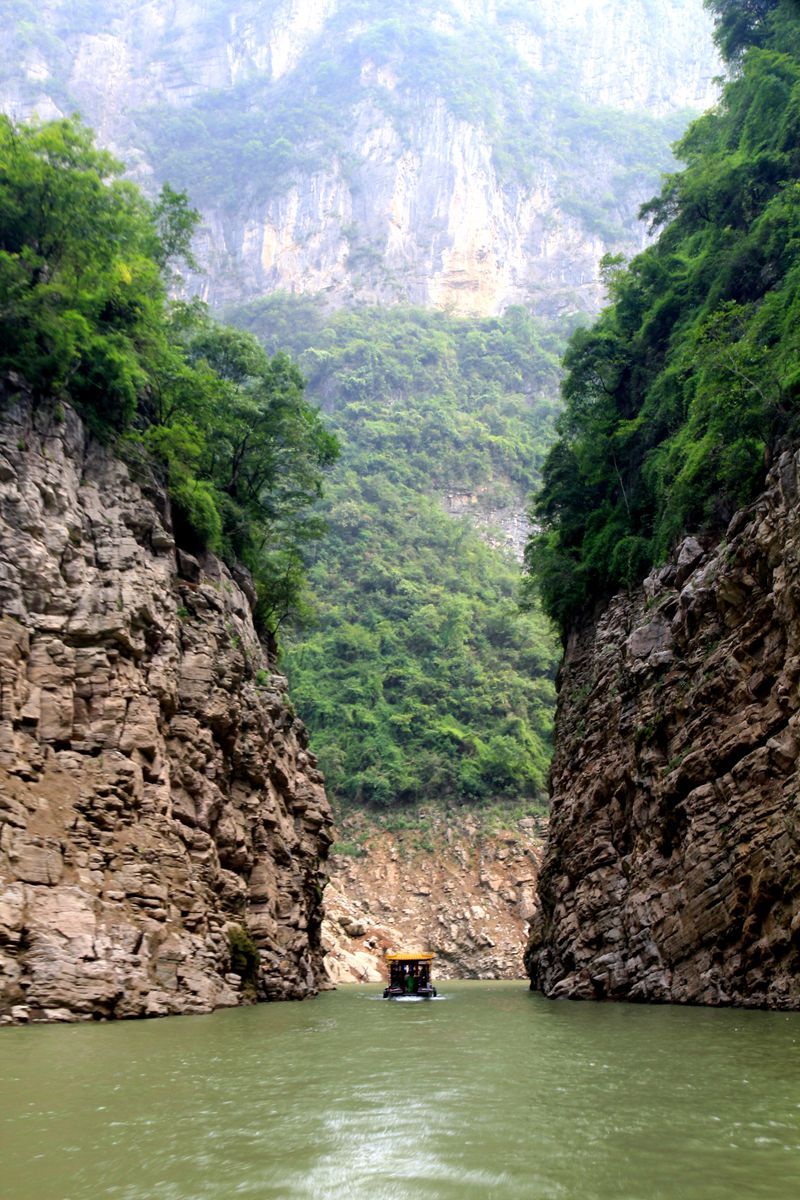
[[85, 265], [675, 397], [739, 24], [82, 257]]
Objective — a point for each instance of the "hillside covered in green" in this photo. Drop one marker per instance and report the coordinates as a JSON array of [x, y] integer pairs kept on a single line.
[[678, 395], [86, 264], [418, 677]]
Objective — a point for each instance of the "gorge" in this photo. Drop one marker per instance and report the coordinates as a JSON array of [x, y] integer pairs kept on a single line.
[[399, 544], [415, 209]]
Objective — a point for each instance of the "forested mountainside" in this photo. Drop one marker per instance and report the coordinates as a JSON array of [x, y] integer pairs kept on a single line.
[[671, 872], [677, 396], [461, 153], [420, 680], [443, 155]]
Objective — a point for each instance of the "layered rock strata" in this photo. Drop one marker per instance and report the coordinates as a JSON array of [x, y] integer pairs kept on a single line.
[[673, 866], [156, 792], [457, 888]]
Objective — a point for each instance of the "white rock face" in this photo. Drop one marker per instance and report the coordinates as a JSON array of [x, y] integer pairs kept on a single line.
[[634, 54], [437, 229], [412, 206], [297, 24]]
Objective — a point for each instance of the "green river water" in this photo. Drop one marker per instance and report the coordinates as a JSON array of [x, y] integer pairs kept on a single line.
[[488, 1091]]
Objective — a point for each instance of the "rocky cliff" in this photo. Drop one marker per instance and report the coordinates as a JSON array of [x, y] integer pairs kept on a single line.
[[159, 810], [465, 155], [505, 526], [673, 867]]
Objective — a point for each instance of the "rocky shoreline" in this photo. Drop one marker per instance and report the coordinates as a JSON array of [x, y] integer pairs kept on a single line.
[[672, 872], [159, 805]]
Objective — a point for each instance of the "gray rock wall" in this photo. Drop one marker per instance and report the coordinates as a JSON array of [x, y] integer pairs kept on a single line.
[[410, 207], [156, 791], [672, 871]]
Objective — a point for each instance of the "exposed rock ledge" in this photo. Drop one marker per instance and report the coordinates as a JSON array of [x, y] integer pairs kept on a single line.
[[155, 787], [673, 867]]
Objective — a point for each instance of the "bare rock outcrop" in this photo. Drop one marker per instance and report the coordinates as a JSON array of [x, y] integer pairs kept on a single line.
[[673, 867], [465, 891], [157, 796]]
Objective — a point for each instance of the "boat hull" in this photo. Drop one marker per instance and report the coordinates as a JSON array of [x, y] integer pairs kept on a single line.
[[390, 993]]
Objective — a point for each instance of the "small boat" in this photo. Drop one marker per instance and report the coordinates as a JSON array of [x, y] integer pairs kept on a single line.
[[409, 974]]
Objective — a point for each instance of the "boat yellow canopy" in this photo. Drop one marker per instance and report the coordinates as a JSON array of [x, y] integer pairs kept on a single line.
[[409, 974], [409, 956]]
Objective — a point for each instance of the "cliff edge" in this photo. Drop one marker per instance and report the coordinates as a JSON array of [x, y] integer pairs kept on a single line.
[[672, 871], [160, 814]]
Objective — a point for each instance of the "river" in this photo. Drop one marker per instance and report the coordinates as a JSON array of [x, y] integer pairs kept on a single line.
[[488, 1091]]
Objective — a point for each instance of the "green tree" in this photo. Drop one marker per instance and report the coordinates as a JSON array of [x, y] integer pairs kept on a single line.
[[81, 289], [676, 396], [740, 24], [85, 263]]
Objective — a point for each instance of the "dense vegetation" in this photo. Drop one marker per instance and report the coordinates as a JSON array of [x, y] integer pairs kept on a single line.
[[418, 678], [85, 262], [677, 396]]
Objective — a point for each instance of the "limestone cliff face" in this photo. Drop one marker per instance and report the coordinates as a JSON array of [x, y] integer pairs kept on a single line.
[[156, 793], [502, 521], [673, 867], [635, 55], [407, 199], [421, 218]]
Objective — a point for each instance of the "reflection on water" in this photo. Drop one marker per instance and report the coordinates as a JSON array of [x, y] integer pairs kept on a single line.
[[497, 1093]]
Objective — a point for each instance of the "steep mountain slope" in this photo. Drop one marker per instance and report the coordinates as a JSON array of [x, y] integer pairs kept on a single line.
[[419, 679], [677, 396], [672, 868], [162, 826], [460, 154]]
